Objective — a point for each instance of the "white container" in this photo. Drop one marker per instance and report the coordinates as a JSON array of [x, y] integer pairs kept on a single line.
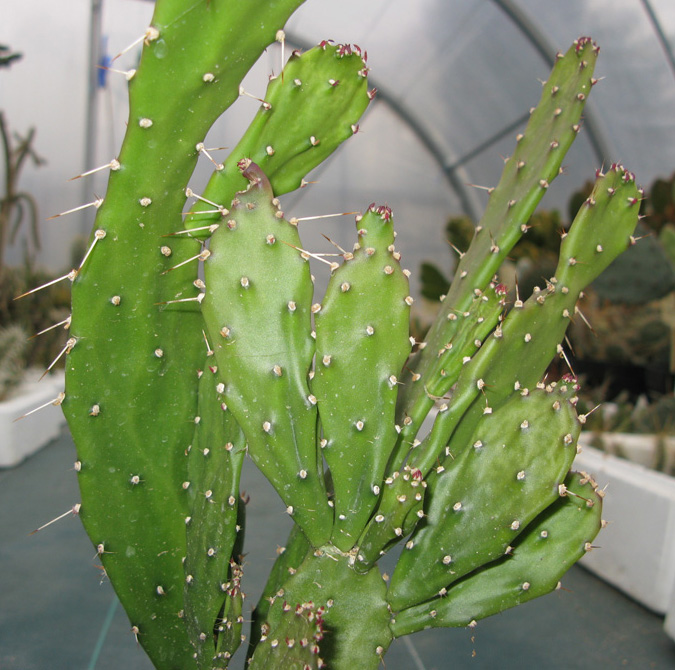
[[636, 551], [669, 624], [21, 439], [635, 447]]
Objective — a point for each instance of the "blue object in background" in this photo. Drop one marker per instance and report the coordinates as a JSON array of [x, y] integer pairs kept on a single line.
[[104, 63]]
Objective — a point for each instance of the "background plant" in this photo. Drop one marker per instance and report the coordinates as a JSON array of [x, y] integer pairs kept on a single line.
[[19, 214], [173, 375], [12, 351]]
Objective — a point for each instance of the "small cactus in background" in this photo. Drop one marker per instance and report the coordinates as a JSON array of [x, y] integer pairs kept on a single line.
[[174, 375], [13, 341]]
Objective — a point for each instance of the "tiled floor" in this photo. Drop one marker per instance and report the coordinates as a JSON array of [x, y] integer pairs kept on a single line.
[[57, 613]]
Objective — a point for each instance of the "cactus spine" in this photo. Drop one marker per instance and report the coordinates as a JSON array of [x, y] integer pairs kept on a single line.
[[172, 379]]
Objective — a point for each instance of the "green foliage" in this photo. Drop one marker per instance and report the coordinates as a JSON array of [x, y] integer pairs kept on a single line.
[[623, 415], [12, 350], [16, 207], [660, 206], [18, 210], [46, 308], [173, 378], [651, 273], [7, 57]]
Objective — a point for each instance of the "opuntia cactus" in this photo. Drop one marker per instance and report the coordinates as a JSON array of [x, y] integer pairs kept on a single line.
[[174, 375]]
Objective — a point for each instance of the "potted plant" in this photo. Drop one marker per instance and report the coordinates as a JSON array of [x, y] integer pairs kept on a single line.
[[21, 358], [174, 375], [631, 447]]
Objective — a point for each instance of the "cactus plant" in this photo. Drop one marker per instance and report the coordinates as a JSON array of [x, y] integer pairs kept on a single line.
[[173, 376], [13, 342]]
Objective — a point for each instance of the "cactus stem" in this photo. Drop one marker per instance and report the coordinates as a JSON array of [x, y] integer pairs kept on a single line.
[[113, 165], [94, 203], [221, 209], [202, 150], [56, 402], [71, 275], [266, 105], [150, 35], [65, 323], [201, 256], [66, 350], [74, 510]]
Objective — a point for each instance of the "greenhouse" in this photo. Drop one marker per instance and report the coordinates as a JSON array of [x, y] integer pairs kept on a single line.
[[238, 429]]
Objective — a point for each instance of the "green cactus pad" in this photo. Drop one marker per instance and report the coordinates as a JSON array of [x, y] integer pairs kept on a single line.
[[288, 560], [399, 511], [472, 327], [356, 627], [517, 458], [588, 248], [362, 342], [215, 459], [294, 643], [541, 555], [257, 308], [527, 174], [130, 379], [309, 109]]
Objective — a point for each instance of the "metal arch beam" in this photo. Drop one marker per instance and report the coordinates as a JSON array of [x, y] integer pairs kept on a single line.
[[663, 40], [545, 49], [449, 171]]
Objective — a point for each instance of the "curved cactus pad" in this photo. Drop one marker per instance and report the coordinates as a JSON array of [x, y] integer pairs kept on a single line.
[[540, 556], [361, 346], [518, 457], [258, 307]]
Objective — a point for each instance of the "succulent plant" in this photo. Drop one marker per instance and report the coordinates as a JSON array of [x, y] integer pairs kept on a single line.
[[533, 257], [173, 376], [16, 207], [13, 340]]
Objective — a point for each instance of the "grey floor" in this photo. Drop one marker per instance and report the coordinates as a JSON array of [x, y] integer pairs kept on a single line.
[[57, 613]]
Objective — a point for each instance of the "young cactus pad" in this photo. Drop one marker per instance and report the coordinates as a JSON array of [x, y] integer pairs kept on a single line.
[[361, 333], [258, 308], [195, 342], [542, 554]]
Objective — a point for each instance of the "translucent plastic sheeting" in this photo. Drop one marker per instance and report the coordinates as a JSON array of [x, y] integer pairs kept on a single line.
[[456, 80], [464, 71], [461, 75]]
